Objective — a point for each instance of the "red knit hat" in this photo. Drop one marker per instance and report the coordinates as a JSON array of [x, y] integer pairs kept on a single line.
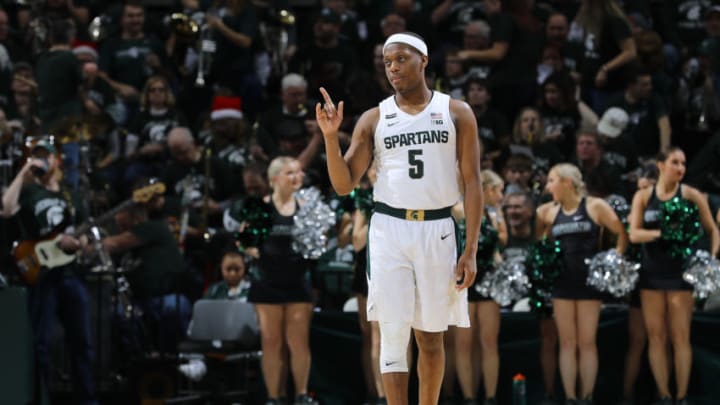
[[226, 107]]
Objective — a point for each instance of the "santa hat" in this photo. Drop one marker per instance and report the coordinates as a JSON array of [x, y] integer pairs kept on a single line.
[[226, 107], [85, 47]]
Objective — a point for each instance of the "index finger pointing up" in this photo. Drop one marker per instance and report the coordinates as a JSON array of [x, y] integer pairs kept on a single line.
[[326, 96]]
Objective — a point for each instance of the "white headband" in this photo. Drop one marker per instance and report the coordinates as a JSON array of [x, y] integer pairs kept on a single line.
[[406, 39]]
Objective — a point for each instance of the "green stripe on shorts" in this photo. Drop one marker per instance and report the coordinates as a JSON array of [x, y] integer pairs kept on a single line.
[[367, 249]]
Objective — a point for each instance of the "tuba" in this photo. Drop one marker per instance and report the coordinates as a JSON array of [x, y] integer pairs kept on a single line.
[[194, 42]]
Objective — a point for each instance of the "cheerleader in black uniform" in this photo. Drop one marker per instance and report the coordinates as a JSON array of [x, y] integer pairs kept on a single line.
[[576, 221], [667, 300], [369, 330], [637, 335], [282, 293], [484, 312]]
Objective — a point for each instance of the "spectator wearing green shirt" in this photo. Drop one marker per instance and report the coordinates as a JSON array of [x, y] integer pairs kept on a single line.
[[234, 284]]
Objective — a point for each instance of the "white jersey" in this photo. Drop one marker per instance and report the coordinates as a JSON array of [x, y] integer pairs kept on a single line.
[[416, 156]]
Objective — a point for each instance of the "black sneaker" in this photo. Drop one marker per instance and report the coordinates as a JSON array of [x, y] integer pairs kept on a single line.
[[305, 399], [490, 401], [664, 401], [683, 401], [469, 401], [572, 401], [381, 401]]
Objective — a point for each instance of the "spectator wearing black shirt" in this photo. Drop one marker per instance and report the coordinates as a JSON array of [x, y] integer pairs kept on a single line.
[[601, 179], [476, 36], [97, 94], [454, 77], [146, 141], [556, 36], [159, 281], [649, 126], [22, 105], [233, 66], [683, 24], [15, 48], [452, 16], [327, 60], [289, 129], [367, 88], [651, 58], [59, 77], [493, 128], [518, 174], [127, 60], [529, 138], [516, 46], [200, 186], [563, 115], [619, 151], [603, 30], [229, 134], [352, 27]]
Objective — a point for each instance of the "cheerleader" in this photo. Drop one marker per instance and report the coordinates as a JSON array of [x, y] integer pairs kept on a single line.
[[484, 312], [666, 299], [576, 221], [369, 330], [637, 335], [282, 293]]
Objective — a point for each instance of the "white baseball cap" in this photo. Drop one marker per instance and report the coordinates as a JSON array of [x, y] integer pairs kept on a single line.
[[613, 122]]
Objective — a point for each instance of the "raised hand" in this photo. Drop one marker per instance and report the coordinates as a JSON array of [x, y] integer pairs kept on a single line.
[[328, 116]]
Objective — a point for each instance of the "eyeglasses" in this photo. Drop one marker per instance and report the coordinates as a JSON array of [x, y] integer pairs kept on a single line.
[[156, 89]]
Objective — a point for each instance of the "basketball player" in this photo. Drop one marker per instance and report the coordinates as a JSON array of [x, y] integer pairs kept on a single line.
[[419, 139]]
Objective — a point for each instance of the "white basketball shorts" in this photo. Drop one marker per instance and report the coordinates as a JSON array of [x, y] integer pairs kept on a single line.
[[411, 273]]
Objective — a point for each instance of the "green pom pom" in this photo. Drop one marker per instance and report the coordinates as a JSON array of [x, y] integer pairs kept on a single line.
[[257, 216], [679, 226], [544, 264], [487, 244]]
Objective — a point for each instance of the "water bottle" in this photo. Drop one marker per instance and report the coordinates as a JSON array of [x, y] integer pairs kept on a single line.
[[519, 392]]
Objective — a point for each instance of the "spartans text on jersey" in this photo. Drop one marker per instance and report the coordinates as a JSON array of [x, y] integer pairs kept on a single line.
[[415, 138]]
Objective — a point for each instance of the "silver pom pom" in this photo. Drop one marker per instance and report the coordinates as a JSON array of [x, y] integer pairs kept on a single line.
[[312, 221], [703, 272], [609, 272], [507, 283]]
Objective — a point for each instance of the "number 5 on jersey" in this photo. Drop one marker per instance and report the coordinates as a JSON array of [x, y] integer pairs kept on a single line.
[[417, 169]]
